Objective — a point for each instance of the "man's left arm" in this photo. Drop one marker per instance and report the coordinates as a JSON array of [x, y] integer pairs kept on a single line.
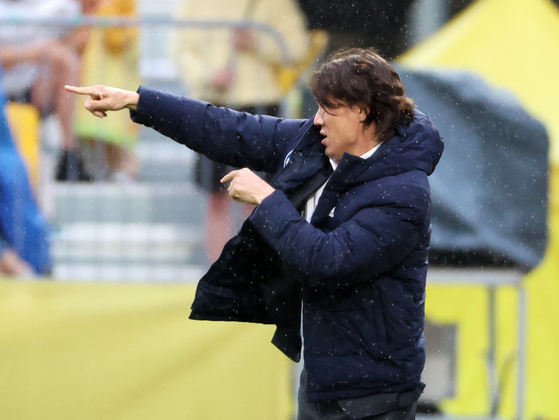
[[374, 240]]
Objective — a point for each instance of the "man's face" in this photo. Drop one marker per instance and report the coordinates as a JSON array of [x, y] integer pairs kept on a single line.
[[342, 128]]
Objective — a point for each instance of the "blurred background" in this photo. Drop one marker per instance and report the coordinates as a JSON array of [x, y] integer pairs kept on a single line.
[[105, 226]]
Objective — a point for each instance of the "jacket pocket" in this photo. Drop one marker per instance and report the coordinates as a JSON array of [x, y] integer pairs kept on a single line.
[[360, 317]]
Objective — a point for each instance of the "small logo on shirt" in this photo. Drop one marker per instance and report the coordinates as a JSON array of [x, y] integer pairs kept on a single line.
[[331, 214]]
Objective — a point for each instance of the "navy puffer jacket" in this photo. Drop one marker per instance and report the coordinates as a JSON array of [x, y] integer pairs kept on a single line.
[[359, 267]]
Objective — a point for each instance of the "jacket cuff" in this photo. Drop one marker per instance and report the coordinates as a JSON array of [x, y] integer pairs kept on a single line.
[[142, 115], [273, 215]]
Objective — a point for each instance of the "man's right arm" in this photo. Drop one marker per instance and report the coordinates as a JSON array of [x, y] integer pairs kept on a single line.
[[222, 134]]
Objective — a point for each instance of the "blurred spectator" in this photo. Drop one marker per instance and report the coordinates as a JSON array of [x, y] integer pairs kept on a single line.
[[111, 58], [237, 68], [38, 61], [24, 231]]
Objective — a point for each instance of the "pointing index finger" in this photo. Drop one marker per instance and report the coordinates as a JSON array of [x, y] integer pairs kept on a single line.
[[81, 90], [229, 176]]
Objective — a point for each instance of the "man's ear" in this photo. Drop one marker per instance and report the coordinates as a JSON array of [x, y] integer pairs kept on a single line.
[[363, 113]]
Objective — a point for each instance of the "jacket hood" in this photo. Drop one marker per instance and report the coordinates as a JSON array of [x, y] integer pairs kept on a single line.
[[417, 146]]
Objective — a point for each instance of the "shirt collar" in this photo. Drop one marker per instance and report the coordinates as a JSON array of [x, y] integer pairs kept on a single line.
[[364, 156]]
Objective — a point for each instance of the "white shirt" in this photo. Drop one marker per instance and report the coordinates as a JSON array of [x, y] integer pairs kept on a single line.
[[313, 199]]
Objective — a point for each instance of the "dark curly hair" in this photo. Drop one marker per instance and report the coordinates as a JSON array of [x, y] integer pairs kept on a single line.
[[361, 77]]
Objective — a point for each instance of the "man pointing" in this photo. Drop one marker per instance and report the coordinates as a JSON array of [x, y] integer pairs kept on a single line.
[[335, 254]]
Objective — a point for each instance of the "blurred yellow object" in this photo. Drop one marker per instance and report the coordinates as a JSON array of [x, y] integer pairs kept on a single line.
[[118, 39], [24, 122], [288, 76], [514, 45], [110, 58], [466, 306], [105, 351]]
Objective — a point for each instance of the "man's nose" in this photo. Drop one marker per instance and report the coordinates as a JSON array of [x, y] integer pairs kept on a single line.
[[318, 119]]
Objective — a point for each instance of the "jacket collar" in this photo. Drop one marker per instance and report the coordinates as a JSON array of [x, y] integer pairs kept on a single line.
[[417, 146]]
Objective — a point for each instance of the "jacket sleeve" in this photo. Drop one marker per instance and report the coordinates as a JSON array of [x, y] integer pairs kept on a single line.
[[372, 242], [234, 138]]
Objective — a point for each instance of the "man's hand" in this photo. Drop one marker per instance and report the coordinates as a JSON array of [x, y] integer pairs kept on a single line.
[[246, 186], [104, 98]]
